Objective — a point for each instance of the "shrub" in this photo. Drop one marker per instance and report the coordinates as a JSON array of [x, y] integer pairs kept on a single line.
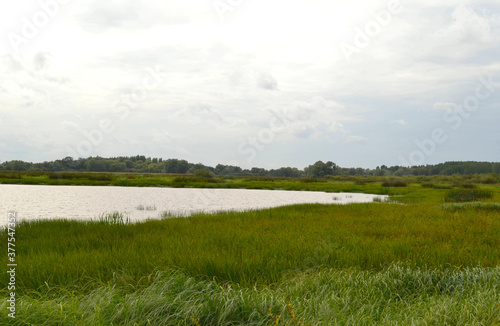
[[203, 173], [394, 183], [310, 180], [466, 195]]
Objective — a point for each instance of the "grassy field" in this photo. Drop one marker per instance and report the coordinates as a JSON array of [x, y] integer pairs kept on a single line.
[[430, 258]]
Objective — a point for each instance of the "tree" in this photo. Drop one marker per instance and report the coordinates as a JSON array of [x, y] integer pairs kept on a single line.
[[320, 169], [203, 173]]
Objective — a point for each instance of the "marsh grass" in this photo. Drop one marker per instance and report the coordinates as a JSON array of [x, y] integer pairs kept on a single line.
[[495, 207], [255, 246], [397, 295], [115, 218], [467, 195], [358, 264]]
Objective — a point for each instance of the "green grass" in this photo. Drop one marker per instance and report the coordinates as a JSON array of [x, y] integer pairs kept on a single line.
[[397, 295], [418, 261], [471, 206], [115, 218]]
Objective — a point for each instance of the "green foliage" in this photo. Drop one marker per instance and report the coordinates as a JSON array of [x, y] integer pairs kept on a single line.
[[394, 183], [203, 173], [467, 195], [482, 172], [320, 169]]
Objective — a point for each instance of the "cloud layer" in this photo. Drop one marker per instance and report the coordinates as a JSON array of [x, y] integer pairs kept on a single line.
[[254, 83]]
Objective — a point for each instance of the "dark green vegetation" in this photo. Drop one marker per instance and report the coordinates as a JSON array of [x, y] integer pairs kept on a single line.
[[421, 262], [467, 195], [140, 163], [206, 179]]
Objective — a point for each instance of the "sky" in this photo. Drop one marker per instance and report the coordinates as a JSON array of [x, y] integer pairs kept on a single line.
[[252, 83]]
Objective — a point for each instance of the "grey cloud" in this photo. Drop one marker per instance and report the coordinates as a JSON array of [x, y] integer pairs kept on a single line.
[[10, 64], [266, 81], [42, 60]]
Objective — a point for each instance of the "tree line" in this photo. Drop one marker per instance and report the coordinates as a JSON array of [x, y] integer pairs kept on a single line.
[[319, 169]]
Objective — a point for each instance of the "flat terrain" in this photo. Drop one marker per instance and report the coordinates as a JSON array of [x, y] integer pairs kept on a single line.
[[430, 256]]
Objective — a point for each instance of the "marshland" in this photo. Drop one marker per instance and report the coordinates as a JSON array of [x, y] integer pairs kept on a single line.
[[428, 255]]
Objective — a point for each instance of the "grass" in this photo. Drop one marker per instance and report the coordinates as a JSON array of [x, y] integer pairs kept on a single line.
[[115, 218], [423, 262], [472, 206], [398, 295]]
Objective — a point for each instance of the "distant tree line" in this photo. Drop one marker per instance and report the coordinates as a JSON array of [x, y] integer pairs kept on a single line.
[[143, 164]]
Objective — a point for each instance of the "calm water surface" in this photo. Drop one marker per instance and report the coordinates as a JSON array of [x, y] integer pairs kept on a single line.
[[87, 202]]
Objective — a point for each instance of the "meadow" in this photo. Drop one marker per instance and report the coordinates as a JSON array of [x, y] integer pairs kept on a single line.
[[430, 256]]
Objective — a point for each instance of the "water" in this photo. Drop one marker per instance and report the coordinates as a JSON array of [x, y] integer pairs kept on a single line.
[[88, 202]]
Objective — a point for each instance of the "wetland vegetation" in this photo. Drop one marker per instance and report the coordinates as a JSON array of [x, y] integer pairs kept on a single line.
[[432, 258]]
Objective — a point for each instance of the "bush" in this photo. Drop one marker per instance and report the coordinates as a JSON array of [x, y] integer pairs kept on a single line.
[[81, 175], [203, 173], [466, 195], [394, 183]]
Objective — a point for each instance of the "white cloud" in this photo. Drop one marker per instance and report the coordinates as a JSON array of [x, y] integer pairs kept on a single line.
[[469, 33]]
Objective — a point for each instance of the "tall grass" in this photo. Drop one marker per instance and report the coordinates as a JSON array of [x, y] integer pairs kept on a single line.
[[115, 218], [472, 206], [255, 246], [397, 295]]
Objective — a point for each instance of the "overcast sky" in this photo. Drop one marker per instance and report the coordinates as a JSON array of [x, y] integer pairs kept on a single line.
[[251, 82]]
